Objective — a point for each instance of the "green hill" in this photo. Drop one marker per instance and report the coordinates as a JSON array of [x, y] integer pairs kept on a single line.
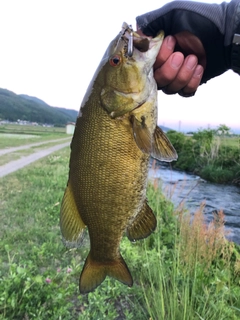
[[24, 107]]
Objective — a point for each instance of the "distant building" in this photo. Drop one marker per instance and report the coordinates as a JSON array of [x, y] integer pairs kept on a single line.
[[70, 127]]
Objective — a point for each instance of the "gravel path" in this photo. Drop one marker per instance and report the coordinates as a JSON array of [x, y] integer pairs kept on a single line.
[[27, 146], [24, 161]]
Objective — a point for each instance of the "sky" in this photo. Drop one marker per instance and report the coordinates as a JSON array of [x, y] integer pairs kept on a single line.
[[50, 49]]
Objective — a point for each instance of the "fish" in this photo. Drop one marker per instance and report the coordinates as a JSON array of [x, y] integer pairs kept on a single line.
[[116, 133]]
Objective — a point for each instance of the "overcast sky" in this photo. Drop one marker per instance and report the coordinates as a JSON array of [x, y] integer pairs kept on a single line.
[[50, 49]]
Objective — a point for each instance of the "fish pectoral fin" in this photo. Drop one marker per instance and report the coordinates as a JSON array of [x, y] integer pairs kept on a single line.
[[142, 134], [162, 149], [143, 225], [71, 224], [95, 272]]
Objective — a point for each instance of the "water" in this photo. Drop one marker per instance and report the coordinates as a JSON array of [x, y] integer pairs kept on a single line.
[[180, 186]]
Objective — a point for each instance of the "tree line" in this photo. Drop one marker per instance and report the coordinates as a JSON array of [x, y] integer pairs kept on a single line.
[[214, 155]]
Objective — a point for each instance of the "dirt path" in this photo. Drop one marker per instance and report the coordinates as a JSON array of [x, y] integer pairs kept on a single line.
[[27, 146], [24, 161]]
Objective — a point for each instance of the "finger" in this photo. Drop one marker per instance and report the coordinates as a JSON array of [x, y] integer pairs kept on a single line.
[[194, 82], [188, 44], [169, 70], [185, 74], [165, 51], [139, 31]]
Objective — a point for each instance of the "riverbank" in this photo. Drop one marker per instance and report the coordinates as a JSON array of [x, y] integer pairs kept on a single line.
[[39, 276], [213, 157], [190, 190]]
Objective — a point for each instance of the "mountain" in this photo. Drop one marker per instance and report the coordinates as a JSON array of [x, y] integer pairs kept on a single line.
[[165, 129], [32, 99], [24, 107]]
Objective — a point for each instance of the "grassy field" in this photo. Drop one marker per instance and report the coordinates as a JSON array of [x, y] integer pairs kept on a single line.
[[39, 276], [27, 129], [24, 152], [184, 271], [15, 135], [230, 141]]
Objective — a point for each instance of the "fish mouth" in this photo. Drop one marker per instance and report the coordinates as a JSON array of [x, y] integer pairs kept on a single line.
[[134, 40], [141, 43]]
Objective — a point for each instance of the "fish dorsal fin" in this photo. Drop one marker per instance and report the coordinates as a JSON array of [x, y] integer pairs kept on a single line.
[[142, 134], [94, 272], [143, 225], [71, 224], [162, 149]]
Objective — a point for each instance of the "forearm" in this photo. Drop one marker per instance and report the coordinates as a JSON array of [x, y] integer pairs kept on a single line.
[[226, 16]]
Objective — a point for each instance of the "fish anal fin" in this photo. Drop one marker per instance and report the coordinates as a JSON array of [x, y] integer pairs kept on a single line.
[[94, 273], [71, 224], [142, 134], [162, 149], [143, 225]]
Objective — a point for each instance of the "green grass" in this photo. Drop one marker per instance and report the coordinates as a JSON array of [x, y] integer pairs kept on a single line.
[[231, 141], [31, 252], [16, 135], [15, 128], [194, 272], [11, 156], [25, 152], [14, 156], [214, 158], [174, 278]]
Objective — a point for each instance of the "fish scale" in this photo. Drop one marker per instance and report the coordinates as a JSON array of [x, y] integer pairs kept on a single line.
[[105, 193], [116, 133]]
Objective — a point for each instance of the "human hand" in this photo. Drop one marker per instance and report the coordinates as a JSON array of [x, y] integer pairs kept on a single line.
[[175, 72], [198, 42]]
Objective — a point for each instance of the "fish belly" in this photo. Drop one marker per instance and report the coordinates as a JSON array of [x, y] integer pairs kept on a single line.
[[108, 175]]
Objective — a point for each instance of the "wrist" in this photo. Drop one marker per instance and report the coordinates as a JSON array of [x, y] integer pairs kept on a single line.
[[232, 34], [235, 53]]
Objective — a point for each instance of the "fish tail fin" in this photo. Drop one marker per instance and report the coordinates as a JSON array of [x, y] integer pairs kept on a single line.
[[95, 272], [118, 270]]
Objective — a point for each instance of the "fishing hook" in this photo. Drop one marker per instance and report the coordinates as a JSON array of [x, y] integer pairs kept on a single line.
[[130, 43]]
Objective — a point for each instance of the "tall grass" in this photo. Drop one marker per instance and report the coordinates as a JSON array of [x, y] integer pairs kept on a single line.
[[196, 274], [212, 157], [184, 270]]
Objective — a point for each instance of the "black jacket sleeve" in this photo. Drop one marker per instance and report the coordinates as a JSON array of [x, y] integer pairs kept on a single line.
[[213, 24]]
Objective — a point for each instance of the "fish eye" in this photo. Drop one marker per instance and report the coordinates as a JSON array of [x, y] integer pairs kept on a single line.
[[115, 61]]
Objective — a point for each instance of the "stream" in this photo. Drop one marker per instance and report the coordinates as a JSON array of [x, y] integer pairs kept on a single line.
[[179, 186]]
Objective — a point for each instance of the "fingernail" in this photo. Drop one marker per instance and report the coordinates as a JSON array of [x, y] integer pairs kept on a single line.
[[176, 61], [198, 72], [191, 62], [171, 42], [186, 95]]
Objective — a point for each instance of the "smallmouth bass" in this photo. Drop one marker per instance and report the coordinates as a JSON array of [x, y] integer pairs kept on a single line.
[[116, 133]]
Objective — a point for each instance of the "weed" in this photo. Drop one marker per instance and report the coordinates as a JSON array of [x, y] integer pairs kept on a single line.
[[194, 275], [184, 270]]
